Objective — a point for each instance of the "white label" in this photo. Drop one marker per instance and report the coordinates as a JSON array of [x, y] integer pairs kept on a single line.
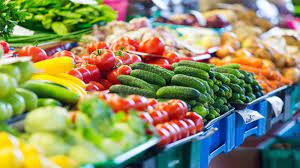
[[249, 116], [277, 104], [21, 31], [86, 2]]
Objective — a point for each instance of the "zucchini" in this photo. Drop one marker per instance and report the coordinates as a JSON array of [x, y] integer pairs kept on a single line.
[[134, 82], [128, 90], [149, 77], [178, 92], [193, 64], [198, 73], [166, 74], [188, 81]]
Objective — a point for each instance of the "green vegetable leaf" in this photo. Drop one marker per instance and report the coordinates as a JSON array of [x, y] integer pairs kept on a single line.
[[59, 28]]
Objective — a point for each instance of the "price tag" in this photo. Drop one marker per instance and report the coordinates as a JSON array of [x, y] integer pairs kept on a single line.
[[277, 104], [86, 2], [249, 116], [21, 31]]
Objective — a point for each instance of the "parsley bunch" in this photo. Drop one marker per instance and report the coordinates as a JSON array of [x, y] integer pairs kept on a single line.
[[10, 15]]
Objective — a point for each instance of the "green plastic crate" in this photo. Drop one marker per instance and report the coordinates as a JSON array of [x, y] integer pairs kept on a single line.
[[278, 158]]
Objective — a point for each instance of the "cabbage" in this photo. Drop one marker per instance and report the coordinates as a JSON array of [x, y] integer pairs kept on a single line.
[[50, 143], [86, 153], [47, 119]]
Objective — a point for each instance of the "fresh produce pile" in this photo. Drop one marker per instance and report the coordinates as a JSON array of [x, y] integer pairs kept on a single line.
[[209, 90], [269, 65], [171, 119]]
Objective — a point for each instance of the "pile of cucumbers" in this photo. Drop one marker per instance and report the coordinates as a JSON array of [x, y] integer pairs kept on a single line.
[[209, 90]]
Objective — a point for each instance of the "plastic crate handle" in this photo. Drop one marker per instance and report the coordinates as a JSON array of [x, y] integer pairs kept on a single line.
[[209, 133]]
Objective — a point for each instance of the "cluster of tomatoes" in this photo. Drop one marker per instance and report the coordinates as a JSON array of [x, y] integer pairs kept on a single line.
[[171, 119]]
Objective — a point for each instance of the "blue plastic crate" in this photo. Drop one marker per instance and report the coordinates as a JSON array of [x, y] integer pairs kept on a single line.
[[290, 131], [258, 127], [222, 141]]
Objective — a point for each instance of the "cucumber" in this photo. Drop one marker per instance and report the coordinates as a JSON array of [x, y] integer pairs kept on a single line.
[[198, 73], [203, 98], [211, 75], [210, 82], [233, 79], [174, 65], [224, 109], [210, 116], [31, 99], [222, 77], [135, 82], [232, 66], [215, 113], [128, 90], [238, 102], [231, 71], [248, 88], [236, 88], [248, 78], [166, 74], [248, 99], [156, 87], [47, 90], [235, 96], [178, 92], [218, 83], [215, 88], [201, 110], [193, 64], [243, 97], [188, 81], [149, 77], [43, 102]]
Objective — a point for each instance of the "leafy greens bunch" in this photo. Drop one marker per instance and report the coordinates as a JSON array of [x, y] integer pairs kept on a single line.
[[10, 15], [63, 16]]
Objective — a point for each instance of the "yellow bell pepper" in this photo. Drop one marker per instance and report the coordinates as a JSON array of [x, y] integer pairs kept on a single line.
[[63, 161], [55, 65], [72, 78], [11, 158], [66, 83], [8, 141]]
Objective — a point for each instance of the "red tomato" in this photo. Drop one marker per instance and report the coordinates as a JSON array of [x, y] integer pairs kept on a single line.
[[165, 117], [37, 54], [65, 53], [172, 57], [76, 73], [153, 45], [94, 71], [157, 116], [119, 62], [78, 59], [105, 83], [197, 119], [86, 75], [177, 128], [94, 86], [170, 129], [104, 59], [184, 128], [158, 61], [140, 102], [125, 40], [125, 57], [146, 117], [96, 45], [5, 46], [175, 108], [135, 58], [164, 136], [192, 126], [152, 102], [113, 75], [120, 104]]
